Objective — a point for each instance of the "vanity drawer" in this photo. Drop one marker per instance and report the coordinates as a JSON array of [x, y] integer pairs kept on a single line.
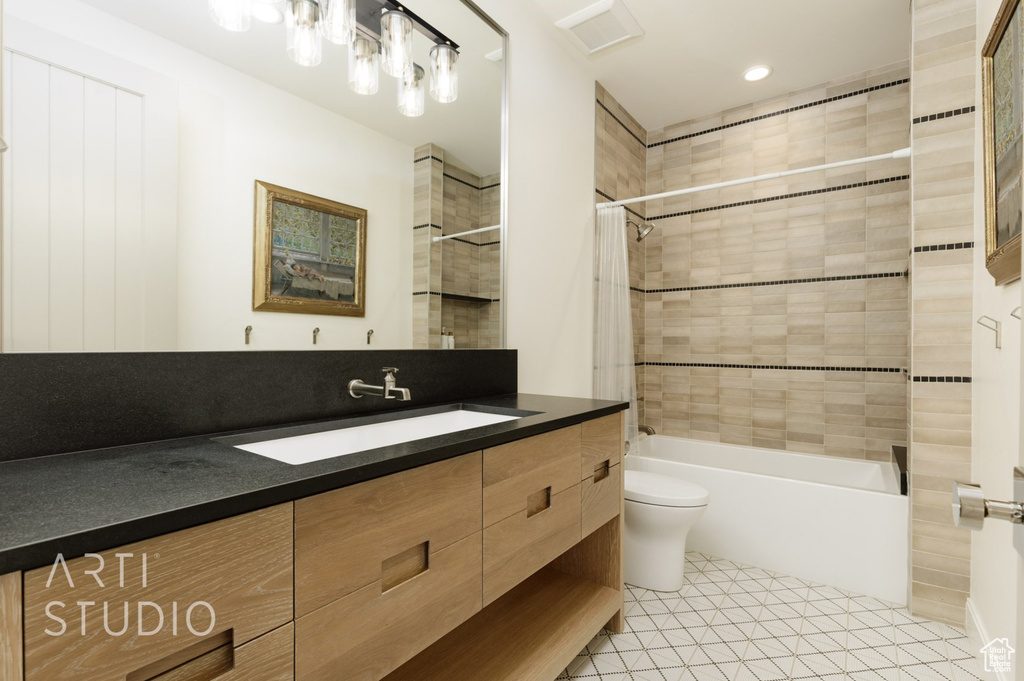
[[240, 567], [603, 440], [343, 538], [602, 497], [271, 657], [518, 546], [373, 631], [515, 471]]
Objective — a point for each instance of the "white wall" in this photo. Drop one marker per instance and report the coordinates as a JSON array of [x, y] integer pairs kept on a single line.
[[551, 206], [996, 415], [234, 130]]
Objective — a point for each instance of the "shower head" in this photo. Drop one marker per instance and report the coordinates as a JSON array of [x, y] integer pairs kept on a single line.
[[642, 230]]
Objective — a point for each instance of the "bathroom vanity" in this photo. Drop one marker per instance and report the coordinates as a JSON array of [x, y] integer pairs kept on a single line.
[[491, 553]]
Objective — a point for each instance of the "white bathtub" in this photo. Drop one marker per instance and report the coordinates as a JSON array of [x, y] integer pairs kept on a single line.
[[836, 521]]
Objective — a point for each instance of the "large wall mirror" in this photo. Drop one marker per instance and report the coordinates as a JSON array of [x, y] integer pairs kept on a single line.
[[141, 131]]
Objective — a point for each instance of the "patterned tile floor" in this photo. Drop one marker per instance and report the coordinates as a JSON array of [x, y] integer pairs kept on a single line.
[[733, 621]]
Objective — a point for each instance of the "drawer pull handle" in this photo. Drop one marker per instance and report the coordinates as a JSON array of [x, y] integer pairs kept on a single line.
[[538, 501], [601, 471], [202, 661], [402, 567]]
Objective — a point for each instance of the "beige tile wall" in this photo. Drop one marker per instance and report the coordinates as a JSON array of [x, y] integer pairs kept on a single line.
[[450, 200], [944, 64], [620, 173], [852, 324]]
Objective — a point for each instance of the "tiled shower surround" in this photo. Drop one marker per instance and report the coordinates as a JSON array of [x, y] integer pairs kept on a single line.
[[773, 314], [783, 314], [457, 282]]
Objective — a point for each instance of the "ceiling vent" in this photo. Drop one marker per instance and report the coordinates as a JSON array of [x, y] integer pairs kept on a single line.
[[601, 25]]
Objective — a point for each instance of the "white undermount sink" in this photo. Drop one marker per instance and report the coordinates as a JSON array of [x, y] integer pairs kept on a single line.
[[302, 449]]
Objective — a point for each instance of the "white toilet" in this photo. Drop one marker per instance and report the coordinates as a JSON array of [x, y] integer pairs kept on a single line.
[[659, 514]]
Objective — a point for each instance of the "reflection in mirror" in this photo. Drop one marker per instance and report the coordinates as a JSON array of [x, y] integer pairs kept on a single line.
[[140, 129]]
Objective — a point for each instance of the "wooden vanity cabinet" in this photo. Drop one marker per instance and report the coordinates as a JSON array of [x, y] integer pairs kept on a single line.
[[531, 506], [602, 478], [11, 668], [151, 602], [385, 568], [496, 565]]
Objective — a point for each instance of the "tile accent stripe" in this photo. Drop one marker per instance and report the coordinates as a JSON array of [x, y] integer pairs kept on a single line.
[[941, 379], [473, 243], [609, 197], [472, 186], [777, 282], [783, 197], [456, 296], [430, 157], [619, 121], [944, 114], [781, 112], [944, 247], [776, 367]]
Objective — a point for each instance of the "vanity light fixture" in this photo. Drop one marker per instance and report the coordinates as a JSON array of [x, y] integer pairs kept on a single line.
[[396, 43], [305, 44], [444, 74], [411, 93], [234, 15], [756, 73], [356, 23], [364, 65], [338, 20]]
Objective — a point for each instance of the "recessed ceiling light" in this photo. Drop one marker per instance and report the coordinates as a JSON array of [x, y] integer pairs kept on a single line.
[[759, 72], [267, 13]]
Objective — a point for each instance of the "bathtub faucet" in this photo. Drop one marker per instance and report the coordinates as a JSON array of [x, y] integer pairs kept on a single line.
[[646, 429]]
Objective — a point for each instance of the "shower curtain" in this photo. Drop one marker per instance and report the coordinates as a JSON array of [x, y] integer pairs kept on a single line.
[[614, 368]]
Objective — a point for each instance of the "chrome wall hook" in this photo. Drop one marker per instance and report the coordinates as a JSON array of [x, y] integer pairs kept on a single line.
[[996, 326], [369, 334], [316, 332], [248, 332], [1016, 312]]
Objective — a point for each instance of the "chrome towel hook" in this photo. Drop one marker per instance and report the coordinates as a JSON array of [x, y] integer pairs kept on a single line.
[[369, 334], [248, 332], [996, 326], [316, 332]]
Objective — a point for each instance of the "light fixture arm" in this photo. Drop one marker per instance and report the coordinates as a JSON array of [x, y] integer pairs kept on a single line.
[[368, 14]]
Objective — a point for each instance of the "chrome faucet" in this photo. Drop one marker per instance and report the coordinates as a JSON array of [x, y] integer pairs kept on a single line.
[[389, 391]]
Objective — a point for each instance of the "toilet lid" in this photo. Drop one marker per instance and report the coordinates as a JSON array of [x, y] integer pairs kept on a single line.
[[661, 490]]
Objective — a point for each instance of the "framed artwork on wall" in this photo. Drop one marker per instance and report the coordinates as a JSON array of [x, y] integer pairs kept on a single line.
[[1002, 74], [310, 254]]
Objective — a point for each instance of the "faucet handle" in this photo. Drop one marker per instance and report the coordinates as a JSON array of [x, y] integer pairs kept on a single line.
[[389, 370]]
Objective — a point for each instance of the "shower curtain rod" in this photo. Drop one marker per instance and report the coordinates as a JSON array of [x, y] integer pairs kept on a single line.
[[472, 231], [899, 153]]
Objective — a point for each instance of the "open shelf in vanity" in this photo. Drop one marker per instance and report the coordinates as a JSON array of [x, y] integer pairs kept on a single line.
[[526, 634]]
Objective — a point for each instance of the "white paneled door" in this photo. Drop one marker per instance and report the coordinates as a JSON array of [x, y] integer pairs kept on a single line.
[[90, 198]]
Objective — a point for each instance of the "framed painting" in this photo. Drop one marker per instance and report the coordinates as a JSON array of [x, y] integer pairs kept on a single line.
[[1002, 74], [310, 254]]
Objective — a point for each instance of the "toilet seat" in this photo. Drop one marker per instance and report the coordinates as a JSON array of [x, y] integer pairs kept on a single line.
[[661, 490]]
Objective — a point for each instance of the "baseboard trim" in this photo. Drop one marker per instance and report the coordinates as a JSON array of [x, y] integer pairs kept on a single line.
[[978, 636]]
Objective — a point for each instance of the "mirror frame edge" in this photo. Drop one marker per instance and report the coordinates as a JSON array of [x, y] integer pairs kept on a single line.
[[503, 192]]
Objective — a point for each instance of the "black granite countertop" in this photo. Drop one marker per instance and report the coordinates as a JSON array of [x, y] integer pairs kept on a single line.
[[96, 500]]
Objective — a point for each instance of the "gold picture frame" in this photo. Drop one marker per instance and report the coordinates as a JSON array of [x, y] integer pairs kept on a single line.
[[309, 254], [1002, 109]]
